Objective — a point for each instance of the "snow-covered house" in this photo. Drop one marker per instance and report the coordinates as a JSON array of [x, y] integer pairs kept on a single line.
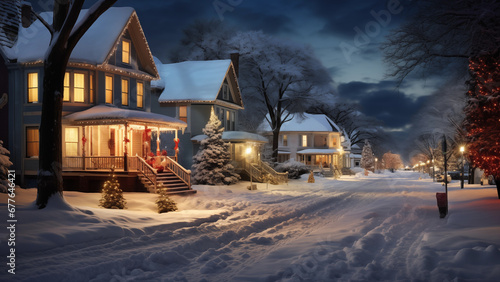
[[107, 117], [189, 90], [312, 139]]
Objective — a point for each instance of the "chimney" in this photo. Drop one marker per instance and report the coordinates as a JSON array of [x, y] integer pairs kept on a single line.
[[235, 59]]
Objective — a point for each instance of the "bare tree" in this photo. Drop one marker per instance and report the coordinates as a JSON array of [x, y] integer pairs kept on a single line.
[[65, 34], [443, 32]]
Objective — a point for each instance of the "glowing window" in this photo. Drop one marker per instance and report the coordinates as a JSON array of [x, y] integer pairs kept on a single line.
[[304, 140], [140, 95], [285, 140], [109, 89], [79, 87], [32, 141], [66, 87], [183, 113], [71, 139], [125, 52], [124, 92], [32, 87]]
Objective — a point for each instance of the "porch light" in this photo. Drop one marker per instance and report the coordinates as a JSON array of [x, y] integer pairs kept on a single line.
[[248, 151]]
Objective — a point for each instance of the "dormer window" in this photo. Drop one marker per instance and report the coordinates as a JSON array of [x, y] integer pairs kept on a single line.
[[225, 91], [125, 51]]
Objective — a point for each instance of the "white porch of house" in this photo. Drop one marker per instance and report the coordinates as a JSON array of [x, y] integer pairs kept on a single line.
[[105, 137], [316, 158]]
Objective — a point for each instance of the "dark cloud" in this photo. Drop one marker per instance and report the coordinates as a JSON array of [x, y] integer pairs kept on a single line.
[[382, 101]]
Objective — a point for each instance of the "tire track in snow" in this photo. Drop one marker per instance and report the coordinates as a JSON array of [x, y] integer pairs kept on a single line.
[[127, 256]]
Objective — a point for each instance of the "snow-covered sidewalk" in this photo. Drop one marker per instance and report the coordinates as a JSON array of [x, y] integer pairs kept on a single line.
[[379, 227]]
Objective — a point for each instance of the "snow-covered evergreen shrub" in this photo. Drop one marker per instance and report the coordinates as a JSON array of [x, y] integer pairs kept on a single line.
[[295, 169], [111, 194], [212, 164], [164, 203], [5, 163], [367, 158]]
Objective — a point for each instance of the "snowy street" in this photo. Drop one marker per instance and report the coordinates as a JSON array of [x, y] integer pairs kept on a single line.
[[379, 227]]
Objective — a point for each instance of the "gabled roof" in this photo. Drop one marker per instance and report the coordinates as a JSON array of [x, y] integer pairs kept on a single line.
[[94, 48], [196, 82], [307, 123]]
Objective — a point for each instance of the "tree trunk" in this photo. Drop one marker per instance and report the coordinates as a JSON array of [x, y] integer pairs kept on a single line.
[[50, 160], [276, 136]]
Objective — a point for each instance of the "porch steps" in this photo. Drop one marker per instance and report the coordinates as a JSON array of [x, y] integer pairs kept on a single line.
[[174, 185]]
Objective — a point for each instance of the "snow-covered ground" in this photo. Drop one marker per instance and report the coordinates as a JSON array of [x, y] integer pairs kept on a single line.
[[380, 227]]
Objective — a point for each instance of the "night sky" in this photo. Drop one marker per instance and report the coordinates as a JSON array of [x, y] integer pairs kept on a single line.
[[345, 36]]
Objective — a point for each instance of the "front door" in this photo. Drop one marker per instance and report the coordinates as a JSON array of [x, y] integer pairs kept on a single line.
[[111, 143]]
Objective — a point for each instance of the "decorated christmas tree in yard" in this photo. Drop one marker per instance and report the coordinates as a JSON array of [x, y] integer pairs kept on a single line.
[[482, 120], [164, 203], [112, 195], [5, 163], [367, 159], [211, 165]]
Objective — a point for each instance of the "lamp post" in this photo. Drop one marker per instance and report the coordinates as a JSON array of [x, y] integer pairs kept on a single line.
[[428, 167], [250, 167], [433, 170], [462, 149], [376, 160]]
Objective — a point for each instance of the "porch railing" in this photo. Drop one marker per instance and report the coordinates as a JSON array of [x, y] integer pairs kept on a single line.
[[280, 177], [93, 162], [147, 170], [177, 169]]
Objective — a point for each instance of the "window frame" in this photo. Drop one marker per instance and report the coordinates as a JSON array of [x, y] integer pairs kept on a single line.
[[71, 142], [304, 140], [31, 87], [285, 140], [129, 52], [73, 88], [181, 117], [225, 91], [126, 93], [91, 89], [37, 129], [141, 88], [106, 89]]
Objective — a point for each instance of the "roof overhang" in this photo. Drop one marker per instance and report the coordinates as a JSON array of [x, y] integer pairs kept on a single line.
[[109, 115], [318, 152]]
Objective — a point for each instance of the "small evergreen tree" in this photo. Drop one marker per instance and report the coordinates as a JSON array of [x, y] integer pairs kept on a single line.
[[164, 203], [211, 165], [5, 163], [367, 159], [112, 195]]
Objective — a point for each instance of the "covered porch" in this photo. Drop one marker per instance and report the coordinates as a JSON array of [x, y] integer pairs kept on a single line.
[[105, 136], [316, 158]]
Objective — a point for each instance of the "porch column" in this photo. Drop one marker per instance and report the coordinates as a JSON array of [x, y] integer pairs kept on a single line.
[[125, 153], [84, 140], [158, 141], [176, 149]]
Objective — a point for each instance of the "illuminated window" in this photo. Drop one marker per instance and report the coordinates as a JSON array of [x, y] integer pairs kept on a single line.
[[124, 92], [109, 89], [92, 92], [32, 87], [183, 113], [228, 120], [32, 141], [125, 52], [71, 139], [334, 142], [140, 95], [285, 140], [66, 87], [79, 87], [304, 140]]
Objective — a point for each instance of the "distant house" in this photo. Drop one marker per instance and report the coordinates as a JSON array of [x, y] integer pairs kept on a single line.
[[107, 119], [189, 91], [312, 139]]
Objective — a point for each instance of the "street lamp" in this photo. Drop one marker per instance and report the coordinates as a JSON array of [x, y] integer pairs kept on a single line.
[[376, 160], [433, 170], [462, 149]]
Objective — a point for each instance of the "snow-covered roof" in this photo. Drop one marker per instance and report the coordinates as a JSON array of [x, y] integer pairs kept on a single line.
[[193, 81], [355, 156], [96, 45], [235, 136], [318, 151], [310, 122], [110, 113]]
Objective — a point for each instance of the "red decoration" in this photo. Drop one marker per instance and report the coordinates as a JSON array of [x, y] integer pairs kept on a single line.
[[147, 134], [164, 153], [176, 140], [483, 115], [126, 140], [84, 140]]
